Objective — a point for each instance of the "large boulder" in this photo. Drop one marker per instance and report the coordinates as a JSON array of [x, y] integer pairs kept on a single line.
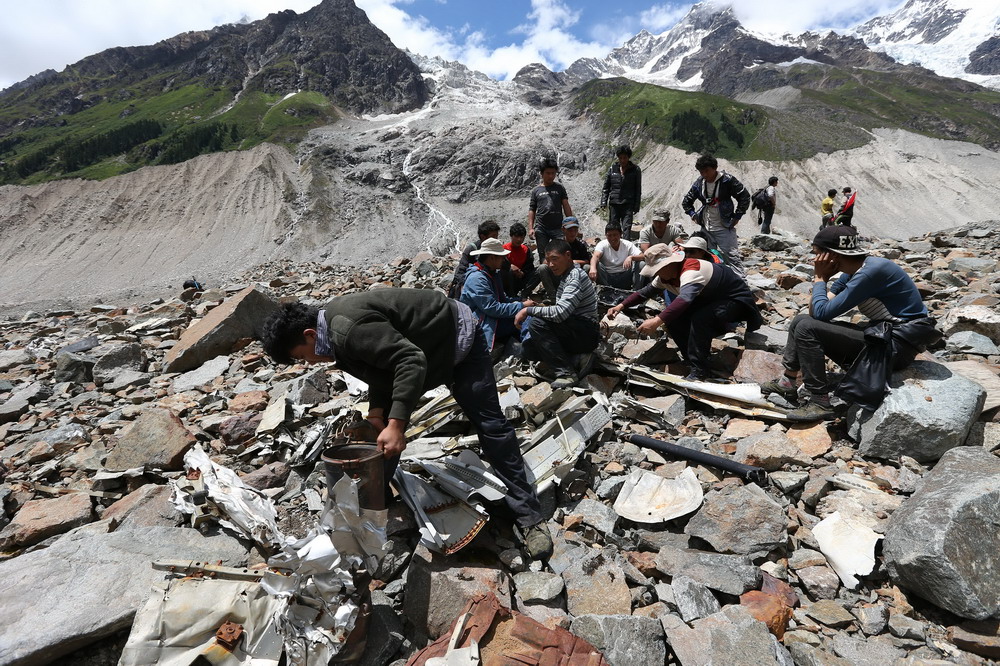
[[977, 318], [928, 411], [41, 518], [157, 439], [943, 543], [739, 519], [87, 586], [117, 361], [241, 316], [624, 640]]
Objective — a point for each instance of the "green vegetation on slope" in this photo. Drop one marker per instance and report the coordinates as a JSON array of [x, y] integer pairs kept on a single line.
[[697, 122], [124, 129]]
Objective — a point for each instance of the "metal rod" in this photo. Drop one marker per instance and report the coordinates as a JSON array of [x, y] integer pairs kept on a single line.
[[746, 472]]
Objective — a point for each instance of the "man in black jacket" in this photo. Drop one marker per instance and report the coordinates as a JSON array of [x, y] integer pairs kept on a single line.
[[622, 191], [404, 342], [718, 215]]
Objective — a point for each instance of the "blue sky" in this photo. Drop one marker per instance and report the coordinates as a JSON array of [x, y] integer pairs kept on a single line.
[[495, 37]]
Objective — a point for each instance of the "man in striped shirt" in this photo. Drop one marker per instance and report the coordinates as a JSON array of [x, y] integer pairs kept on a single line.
[[556, 332]]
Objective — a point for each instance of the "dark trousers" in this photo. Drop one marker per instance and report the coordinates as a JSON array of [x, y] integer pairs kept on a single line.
[[542, 237], [513, 285], [765, 225], [620, 215], [629, 279], [554, 342], [695, 329], [811, 341], [475, 390]]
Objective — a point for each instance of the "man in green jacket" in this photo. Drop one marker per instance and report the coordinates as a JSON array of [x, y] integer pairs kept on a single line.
[[404, 342]]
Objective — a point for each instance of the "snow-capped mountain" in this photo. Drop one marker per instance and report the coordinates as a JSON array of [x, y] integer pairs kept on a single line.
[[957, 38], [670, 58]]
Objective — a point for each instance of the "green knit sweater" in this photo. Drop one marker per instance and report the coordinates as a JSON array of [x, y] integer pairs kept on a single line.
[[400, 341]]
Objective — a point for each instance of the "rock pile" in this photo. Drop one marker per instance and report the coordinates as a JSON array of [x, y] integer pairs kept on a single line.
[[873, 540]]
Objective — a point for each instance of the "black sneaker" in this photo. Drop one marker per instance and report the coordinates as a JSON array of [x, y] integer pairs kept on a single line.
[[788, 393], [812, 411]]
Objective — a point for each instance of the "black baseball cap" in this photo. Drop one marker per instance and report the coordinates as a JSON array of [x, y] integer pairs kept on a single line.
[[840, 239]]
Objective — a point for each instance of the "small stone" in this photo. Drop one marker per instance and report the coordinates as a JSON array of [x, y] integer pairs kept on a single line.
[[789, 482], [740, 428], [820, 582], [203, 375], [538, 587], [813, 440], [804, 557], [624, 640], [770, 450], [769, 609], [757, 367], [730, 574], [149, 506], [901, 626], [598, 515], [830, 613], [982, 638], [872, 618], [250, 401], [693, 600], [240, 429], [739, 519]]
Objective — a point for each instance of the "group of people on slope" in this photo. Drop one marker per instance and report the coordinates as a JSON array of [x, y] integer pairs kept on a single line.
[[844, 215], [403, 342]]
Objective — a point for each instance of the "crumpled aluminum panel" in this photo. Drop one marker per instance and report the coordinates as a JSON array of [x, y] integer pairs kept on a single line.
[[649, 498]]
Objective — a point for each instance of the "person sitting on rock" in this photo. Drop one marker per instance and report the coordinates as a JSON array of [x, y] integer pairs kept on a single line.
[[487, 229], [708, 297], [520, 261], [578, 249], [483, 292], [659, 231], [615, 261], [554, 333], [404, 342], [878, 287]]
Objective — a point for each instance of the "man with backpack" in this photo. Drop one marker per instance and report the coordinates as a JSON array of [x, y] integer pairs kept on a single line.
[[724, 201], [764, 200]]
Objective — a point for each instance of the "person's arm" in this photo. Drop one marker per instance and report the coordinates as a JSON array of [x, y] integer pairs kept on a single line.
[[567, 209], [688, 203], [634, 254], [573, 292], [478, 295], [532, 205], [742, 198], [643, 294], [606, 191], [638, 189], [851, 291], [594, 258], [774, 196]]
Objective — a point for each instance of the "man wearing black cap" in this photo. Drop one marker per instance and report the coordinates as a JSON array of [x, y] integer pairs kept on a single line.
[[879, 288]]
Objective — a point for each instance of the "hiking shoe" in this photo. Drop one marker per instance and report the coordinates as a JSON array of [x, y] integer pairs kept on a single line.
[[811, 411], [538, 542], [697, 376], [790, 393], [563, 382], [584, 363]]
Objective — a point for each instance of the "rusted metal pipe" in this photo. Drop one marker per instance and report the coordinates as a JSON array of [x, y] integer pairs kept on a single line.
[[746, 472]]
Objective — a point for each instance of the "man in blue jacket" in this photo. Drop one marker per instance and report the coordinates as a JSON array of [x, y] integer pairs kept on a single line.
[[483, 292], [718, 215], [880, 289]]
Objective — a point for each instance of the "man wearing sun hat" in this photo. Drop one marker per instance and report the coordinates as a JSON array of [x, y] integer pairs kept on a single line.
[[708, 298], [879, 288], [483, 292]]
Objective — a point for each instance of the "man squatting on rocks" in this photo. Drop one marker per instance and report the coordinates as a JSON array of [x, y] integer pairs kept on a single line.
[[579, 250], [547, 207], [622, 193], [554, 333], [709, 297], [404, 342], [718, 215], [880, 289]]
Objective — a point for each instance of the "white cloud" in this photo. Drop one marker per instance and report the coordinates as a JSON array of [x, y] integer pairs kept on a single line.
[[545, 34], [660, 18], [796, 16], [50, 34]]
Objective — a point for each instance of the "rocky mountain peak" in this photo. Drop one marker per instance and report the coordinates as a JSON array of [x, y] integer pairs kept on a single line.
[[927, 21]]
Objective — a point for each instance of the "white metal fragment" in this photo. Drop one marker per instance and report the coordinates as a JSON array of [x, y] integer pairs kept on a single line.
[[648, 498], [244, 509], [849, 547]]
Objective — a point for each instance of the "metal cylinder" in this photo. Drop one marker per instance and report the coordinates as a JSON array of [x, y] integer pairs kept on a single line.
[[358, 461], [746, 472]]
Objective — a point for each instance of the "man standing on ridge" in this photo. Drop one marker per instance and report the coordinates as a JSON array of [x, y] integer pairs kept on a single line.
[[622, 192], [718, 215]]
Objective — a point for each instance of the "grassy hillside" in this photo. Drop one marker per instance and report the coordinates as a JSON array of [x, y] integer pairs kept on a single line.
[[697, 122], [122, 129]]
